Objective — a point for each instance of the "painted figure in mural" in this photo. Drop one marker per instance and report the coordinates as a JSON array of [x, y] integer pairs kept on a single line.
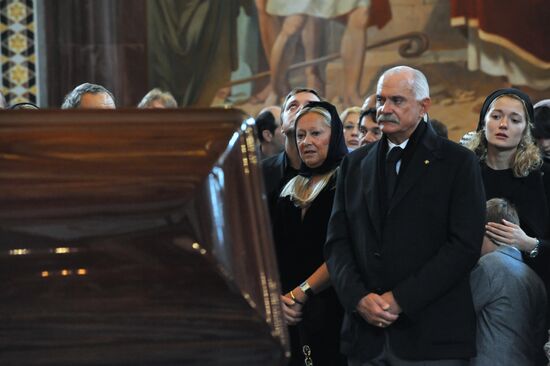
[[198, 38], [355, 13], [270, 29], [353, 45], [269, 26], [518, 53], [89, 96]]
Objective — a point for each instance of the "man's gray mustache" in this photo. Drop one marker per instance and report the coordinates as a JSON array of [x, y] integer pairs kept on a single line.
[[387, 118]]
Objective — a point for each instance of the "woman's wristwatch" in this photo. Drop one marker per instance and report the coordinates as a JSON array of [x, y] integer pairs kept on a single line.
[[533, 253], [306, 289]]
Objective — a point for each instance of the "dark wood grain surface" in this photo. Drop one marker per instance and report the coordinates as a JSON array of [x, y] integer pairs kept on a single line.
[[135, 237]]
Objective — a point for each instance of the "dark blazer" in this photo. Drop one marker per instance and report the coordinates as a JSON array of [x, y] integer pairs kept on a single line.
[[277, 172], [423, 249], [273, 169]]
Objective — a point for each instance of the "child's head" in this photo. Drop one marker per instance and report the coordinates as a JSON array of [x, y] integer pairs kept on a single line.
[[498, 209]]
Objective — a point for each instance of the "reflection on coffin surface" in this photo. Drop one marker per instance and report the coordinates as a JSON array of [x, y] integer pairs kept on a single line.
[[135, 237]]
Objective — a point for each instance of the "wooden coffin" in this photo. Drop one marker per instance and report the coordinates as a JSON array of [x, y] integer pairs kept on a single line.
[[135, 237]]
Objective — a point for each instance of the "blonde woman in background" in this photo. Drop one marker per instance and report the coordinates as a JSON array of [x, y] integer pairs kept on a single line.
[[352, 133]]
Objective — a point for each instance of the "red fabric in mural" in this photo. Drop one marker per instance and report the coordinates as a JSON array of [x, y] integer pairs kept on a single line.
[[525, 23], [380, 13]]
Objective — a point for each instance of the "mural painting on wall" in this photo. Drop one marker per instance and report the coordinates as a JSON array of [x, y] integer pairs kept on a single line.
[[249, 54]]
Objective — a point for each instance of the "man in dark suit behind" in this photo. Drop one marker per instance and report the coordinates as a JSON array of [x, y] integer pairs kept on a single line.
[[405, 231]]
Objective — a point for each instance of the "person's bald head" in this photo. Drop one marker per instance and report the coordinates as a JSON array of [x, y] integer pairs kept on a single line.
[[370, 102], [275, 111], [89, 96]]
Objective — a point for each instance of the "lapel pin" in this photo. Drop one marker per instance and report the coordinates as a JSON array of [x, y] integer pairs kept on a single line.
[[426, 162]]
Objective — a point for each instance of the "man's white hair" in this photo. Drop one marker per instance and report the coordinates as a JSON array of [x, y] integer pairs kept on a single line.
[[418, 82]]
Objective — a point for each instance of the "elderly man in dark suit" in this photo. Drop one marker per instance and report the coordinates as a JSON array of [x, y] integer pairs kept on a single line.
[[405, 231]]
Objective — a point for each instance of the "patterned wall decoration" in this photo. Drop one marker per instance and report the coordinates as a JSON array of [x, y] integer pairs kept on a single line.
[[18, 54]]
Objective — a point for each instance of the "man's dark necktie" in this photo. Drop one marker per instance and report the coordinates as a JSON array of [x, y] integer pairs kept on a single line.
[[391, 172]]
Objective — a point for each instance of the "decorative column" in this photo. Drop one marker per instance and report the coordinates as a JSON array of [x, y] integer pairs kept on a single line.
[[18, 56]]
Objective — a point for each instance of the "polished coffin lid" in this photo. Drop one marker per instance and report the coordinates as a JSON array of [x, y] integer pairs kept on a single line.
[[137, 236]]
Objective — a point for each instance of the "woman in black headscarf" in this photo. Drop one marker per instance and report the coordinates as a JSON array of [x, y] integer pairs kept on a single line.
[[299, 225], [512, 168]]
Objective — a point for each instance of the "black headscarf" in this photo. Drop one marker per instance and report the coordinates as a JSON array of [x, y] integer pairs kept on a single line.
[[337, 148], [499, 92]]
